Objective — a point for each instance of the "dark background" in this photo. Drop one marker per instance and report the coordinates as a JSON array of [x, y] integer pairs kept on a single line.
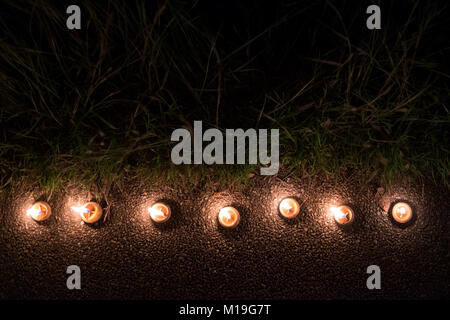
[[266, 257]]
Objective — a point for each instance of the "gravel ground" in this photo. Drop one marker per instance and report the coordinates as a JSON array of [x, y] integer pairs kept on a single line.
[[265, 257]]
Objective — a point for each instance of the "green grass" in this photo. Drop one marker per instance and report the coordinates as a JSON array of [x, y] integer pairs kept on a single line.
[[95, 105]]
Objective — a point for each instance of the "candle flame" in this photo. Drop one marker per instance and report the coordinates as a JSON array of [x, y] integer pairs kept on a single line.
[[156, 212], [402, 212], [289, 208], [159, 212], [80, 210], [34, 212], [338, 214], [226, 216]]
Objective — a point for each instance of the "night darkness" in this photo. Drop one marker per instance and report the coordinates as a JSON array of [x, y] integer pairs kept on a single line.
[[88, 115]]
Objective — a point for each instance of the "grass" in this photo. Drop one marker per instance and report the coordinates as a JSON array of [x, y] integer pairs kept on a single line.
[[95, 105]]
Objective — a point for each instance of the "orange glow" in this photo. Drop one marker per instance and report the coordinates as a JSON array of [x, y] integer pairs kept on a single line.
[[229, 217], [402, 212], [289, 208], [159, 212], [90, 212], [342, 214], [40, 211]]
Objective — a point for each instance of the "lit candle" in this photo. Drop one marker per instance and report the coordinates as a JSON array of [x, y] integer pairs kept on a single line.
[[40, 211], [159, 212], [342, 214], [229, 217], [402, 212], [90, 212], [289, 208]]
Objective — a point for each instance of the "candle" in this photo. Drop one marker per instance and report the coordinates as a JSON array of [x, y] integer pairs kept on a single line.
[[39, 211], [159, 212], [289, 208], [343, 214], [90, 212], [229, 217], [402, 212]]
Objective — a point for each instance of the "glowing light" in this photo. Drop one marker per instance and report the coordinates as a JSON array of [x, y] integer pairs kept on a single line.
[[80, 210], [289, 208], [90, 212], [40, 211], [402, 212], [159, 212], [229, 217], [342, 214]]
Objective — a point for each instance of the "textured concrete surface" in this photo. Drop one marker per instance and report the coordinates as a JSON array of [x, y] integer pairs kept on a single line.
[[190, 257]]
